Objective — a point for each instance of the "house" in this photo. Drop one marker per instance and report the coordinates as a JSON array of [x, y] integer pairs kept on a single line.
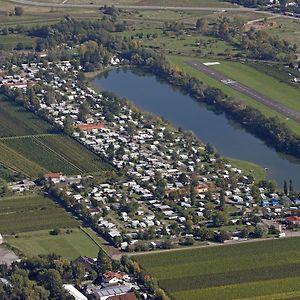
[[201, 188], [87, 262], [74, 292], [89, 127], [128, 296], [265, 203], [105, 293], [55, 177], [293, 220], [110, 278]]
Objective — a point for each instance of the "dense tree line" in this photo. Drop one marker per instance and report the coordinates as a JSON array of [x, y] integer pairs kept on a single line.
[[39, 278]]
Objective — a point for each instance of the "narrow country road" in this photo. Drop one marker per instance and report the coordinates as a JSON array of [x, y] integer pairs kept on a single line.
[[211, 245], [65, 4], [287, 112], [139, 7]]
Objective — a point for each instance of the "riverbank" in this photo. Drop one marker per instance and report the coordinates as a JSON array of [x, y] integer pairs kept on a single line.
[[182, 111]]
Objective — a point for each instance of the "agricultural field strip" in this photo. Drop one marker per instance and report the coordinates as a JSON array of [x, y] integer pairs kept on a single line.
[[222, 267], [256, 289], [33, 212], [28, 136], [274, 105], [58, 154], [19, 163]]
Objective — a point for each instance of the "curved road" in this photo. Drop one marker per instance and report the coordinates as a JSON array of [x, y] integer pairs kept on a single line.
[[274, 105]]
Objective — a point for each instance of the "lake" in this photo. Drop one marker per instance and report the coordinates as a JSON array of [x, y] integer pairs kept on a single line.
[[151, 94]]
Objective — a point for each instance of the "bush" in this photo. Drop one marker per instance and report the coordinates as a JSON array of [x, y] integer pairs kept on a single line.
[[19, 11], [55, 231]]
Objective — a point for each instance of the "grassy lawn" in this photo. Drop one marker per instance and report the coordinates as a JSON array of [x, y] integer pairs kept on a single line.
[[250, 168], [263, 83], [180, 61], [197, 3], [185, 44], [69, 245], [32, 212], [241, 271], [287, 29], [10, 41]]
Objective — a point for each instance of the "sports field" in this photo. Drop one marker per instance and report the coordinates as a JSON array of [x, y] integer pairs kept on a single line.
[[32, 212], [257, 270], [69, 244]]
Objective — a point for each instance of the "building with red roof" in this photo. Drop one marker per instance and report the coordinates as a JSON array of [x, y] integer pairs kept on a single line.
[[293, 220], [89, 127]]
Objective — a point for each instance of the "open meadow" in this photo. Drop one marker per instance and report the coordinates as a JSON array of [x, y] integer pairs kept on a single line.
[[68, 243], [32, 212], [257, 270]]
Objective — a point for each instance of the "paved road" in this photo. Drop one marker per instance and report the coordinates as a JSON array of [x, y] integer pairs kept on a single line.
[[139, 7], [289, 113]]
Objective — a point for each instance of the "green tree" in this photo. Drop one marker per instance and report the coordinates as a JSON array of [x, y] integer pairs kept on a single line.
[[202, 25], [53, 282], [103, 262], [68, 125], [19, 11], [261, 230], [220, 219], [285, 188], [222, 200]]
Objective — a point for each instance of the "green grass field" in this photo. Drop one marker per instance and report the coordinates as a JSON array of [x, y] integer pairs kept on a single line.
[[180, 62], [268, 269], [32, 212], [263, 83], [69, 245], [8, 42], [16, 121], [287, 29], [258, 172]]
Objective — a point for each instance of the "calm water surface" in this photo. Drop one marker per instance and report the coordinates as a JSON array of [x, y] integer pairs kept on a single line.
[[151, 94]]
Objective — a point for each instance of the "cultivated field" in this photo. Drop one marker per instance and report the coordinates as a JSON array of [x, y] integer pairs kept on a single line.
[[258, 270], [15, 161], [32, 212], [15, 121], [55, 153], [32, 146], [70, 245]]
